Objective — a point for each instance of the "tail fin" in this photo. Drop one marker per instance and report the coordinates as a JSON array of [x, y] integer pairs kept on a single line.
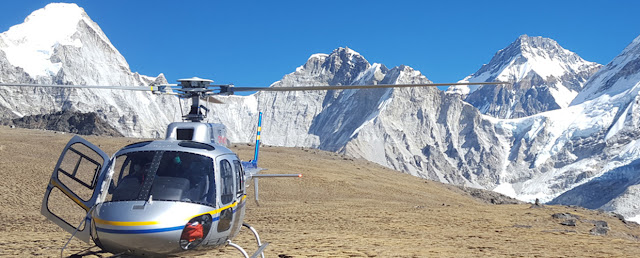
[[251, 167], [255, 155]]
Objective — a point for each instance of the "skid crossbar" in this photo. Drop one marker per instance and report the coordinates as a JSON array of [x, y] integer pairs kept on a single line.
[[261, 246]]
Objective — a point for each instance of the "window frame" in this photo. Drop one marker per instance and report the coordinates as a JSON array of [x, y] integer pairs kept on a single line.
[[240, 179], [226, 173]]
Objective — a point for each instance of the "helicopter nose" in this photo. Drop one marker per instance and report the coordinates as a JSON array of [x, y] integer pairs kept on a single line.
[[149, 241], [143, 229]]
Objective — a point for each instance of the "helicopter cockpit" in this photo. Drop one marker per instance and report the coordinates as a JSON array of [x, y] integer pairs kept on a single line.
[[163, 176]]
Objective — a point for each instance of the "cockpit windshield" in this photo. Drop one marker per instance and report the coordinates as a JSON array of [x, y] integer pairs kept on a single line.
[[164, 176]]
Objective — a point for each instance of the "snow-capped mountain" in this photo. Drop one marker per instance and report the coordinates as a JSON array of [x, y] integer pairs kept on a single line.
[[60, 44], [421, 131], [545, 77]]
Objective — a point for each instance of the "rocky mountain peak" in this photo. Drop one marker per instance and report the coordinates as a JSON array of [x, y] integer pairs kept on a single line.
[[545, 77], [57, 16], [346, 64], [526, 54], [346, 52], [160, 79], [528, 44], [343, 66], [528, 47]]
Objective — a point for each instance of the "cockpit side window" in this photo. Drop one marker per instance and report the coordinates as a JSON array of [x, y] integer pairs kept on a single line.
[[226, 173], [239, 178]]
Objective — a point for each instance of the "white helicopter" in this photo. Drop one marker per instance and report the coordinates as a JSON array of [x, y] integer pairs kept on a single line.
[[186, 192]]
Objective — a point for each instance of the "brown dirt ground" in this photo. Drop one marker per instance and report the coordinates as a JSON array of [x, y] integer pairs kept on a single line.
[[340, 208]]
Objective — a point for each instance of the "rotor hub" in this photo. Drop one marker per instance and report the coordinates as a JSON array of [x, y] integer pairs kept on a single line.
[[195, 82]]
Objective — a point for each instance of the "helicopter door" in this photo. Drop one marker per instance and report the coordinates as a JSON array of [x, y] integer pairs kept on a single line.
[[227, 194], [71, 192]]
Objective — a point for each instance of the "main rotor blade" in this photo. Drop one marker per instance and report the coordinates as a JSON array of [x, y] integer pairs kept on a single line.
[[106, 87], [348, 87]]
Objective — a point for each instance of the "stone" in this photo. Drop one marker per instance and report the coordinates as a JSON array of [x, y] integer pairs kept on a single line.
[[569, 222]]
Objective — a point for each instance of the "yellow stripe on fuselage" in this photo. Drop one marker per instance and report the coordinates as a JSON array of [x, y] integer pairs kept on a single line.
[[221, 209], [125, 223], [148, 223]]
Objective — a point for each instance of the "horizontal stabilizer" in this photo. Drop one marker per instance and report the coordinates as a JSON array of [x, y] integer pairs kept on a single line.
[[251, 168]]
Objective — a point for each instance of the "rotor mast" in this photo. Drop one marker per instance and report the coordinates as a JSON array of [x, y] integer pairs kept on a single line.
[[195, 88]]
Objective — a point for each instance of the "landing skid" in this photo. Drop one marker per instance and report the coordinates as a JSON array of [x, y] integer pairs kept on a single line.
[[261, 246]]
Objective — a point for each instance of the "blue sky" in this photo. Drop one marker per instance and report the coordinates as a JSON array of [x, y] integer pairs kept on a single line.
[[254, 43]]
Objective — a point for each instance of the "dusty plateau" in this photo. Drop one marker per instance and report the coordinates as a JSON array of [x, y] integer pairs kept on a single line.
[[340, 208]]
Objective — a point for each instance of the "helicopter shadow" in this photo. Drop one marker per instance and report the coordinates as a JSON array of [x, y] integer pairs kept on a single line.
[[95, 251]]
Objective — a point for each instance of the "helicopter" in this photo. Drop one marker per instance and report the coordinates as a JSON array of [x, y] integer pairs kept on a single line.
[[183, 193]]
